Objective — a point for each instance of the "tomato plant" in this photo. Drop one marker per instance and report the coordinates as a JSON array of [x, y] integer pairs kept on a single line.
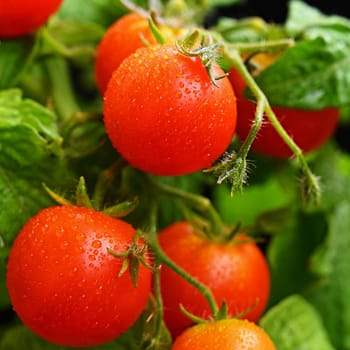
[[232, 334], [310, 129], [236, 272], [170, 141], [64, 284], [23, 17], [166, 101]]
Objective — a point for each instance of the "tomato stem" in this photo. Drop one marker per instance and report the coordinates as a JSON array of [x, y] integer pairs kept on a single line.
[[234, 166], [199, 202], [162, 258]]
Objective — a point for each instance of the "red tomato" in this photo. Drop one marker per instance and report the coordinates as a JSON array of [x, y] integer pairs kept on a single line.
[[114, 47], [20, 17], [63, 283], [310, 129], [227, 334], [164, 115], [237, 273], [120, 40]]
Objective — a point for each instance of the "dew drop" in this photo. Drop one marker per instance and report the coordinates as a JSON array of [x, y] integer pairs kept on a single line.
[[96, 244]]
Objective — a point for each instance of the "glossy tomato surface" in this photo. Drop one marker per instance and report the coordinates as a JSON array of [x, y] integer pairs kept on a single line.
[[63, 283], [230, 334], [310, 129], [165, 116], [237, 273], [20, 17], [122, 38]]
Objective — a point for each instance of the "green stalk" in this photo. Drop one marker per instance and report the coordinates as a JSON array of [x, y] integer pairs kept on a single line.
[[310, 185], [162, 258], [199, 202], [62, 91]]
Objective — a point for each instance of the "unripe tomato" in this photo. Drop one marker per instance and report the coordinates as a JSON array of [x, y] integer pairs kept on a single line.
[[310, 129], [63, 283], [20, 17], [164, 115], [236, 272], [230, 334]]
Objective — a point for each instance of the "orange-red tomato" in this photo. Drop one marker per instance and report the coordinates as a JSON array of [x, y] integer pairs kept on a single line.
[[63, 283], [20, 17], [121, 39], [164, 115], [310, 129], [229, 334], [236, 272]]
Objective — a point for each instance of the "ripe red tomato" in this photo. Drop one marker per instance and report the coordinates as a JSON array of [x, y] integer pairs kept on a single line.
[[120, 40], [63, 283], [20, 17], [310, 129], [164, 115], [114, 47], [237, 273], [233, 334]]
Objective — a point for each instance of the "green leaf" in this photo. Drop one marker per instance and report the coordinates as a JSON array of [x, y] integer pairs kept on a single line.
[[331, 294], [15, 55], [312, 17], [294, 324], [251, 204], [289, 254], [333, 168], [4, 298], [74, 39], [103, 12], [30, 155], [318, 68]]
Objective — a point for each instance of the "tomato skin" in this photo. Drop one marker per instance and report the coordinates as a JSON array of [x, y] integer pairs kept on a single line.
[[164, 115], [63, 283], [310, 129], [237, 273], [21, 17], [121, 39], [233, 334]]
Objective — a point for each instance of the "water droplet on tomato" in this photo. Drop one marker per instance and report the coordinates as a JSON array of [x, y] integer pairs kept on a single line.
[[96, 243]]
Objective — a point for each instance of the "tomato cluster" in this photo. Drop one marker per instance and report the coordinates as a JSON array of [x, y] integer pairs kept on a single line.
[[166, 115]]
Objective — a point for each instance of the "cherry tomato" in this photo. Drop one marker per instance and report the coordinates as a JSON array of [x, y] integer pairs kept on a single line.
[[164, 115], [120, 40], [63, 283], [310, 129], [114, 47], [233, 334], [20, 17], [237, 273]]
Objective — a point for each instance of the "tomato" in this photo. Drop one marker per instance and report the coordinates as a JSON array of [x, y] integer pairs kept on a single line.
[[233, 334], [20, 17], [64, 285], [121, 39], [310, 129], [237, 273], [114, 47], [164, 115]]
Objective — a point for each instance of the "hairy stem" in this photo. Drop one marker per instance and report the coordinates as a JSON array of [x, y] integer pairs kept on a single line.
[[162, 258]]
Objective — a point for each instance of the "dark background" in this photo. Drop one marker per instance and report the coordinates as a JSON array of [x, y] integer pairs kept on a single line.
[[276, 10]]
